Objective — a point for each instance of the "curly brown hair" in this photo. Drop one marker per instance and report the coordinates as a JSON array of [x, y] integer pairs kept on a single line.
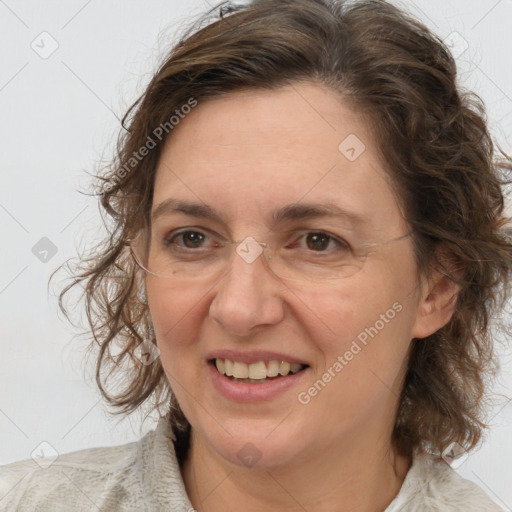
[[432, 137]]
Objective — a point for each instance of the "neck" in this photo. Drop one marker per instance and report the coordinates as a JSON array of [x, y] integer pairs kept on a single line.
[[356, 477]]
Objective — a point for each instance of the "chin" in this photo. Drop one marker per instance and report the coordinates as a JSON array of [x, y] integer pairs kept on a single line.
[[255, 444], [256, 453]]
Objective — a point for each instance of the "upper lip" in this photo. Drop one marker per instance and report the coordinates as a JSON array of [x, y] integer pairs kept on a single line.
[[253, 356]]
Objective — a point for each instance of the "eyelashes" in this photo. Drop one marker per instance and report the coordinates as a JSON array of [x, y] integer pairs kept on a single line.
[[315, 241]]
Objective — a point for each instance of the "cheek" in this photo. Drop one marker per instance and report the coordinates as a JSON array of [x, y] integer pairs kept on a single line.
[[358, 379], [375, 328], [368, 323], [354, 310], [174, 313]]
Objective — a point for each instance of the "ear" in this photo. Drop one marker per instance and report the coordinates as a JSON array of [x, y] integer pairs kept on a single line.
[[437, 301]]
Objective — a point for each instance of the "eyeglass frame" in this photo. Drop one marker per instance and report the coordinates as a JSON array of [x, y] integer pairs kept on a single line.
[[264, 245]]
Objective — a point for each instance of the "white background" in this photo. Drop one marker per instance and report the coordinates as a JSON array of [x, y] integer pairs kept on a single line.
[[59, 119]]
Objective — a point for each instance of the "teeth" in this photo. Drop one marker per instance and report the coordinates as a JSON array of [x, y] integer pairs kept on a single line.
[[273, 368], [240, 370], [228, 368], [284, 368], [256, 371], [295, 367]]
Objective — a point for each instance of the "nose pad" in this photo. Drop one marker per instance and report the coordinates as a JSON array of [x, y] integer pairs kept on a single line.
[[250, 250]]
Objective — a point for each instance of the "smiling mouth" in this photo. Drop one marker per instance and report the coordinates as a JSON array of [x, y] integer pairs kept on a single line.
[[256, 373]]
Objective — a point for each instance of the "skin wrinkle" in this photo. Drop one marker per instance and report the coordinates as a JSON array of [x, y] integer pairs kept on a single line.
[[338, 436]]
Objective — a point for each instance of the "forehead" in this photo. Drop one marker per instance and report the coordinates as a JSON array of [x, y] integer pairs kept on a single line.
[[252, 151]]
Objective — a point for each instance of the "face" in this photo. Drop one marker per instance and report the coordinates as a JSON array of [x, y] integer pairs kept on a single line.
[[246, 156]]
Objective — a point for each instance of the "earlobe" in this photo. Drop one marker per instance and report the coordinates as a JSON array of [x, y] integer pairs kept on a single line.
[[436, 306]]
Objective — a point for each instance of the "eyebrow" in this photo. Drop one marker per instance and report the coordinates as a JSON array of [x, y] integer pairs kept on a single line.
[[302, 211]]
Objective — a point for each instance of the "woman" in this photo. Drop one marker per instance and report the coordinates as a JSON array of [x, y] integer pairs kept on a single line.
[[308, 245]]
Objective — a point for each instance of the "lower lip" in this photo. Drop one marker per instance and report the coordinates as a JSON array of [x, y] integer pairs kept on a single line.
[[245, 392]]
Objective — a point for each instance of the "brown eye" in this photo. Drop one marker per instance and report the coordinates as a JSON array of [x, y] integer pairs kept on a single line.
[[318, 241], [193, 238], [190, 239]]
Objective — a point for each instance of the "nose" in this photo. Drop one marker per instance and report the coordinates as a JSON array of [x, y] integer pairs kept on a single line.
[[247, 296]]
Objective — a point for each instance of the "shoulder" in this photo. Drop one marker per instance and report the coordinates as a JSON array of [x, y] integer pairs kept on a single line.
[[30, 484], [111, 478], [431, 485]]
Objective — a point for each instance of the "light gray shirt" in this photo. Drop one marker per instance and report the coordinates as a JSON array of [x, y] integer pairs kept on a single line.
[[145, 476]]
